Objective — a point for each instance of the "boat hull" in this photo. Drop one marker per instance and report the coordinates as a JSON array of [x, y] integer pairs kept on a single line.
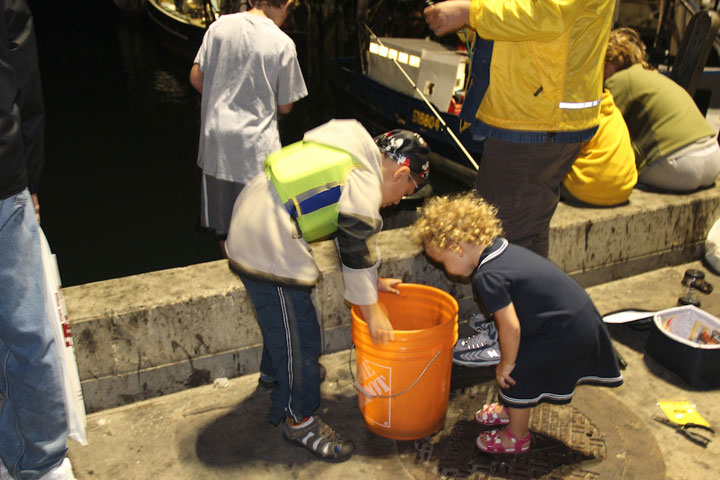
[[175, 26]]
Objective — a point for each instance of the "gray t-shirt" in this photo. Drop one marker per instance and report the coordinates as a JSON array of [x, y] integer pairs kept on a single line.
[[249, 67]]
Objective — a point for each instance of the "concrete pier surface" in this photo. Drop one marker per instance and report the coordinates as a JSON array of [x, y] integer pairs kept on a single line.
[[221, 431]]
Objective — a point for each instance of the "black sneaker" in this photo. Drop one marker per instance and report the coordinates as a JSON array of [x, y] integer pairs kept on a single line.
[[267, 381], [321, 440]]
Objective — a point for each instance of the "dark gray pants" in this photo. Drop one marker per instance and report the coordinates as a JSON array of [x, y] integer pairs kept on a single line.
[[523, 182], [217, 199]]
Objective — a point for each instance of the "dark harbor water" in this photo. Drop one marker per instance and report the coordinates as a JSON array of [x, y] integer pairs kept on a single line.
[[119, 191], [120, 188]]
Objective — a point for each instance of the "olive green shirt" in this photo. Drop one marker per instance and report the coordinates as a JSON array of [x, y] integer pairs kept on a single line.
[[661, 116]]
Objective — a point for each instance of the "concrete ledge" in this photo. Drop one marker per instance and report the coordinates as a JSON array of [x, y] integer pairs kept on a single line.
[[147, 335], [652, 231]]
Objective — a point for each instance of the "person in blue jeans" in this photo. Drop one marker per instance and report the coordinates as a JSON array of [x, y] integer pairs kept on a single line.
[[33, 422]]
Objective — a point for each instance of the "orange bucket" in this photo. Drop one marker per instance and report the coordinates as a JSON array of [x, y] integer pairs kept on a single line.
[[404, 386]]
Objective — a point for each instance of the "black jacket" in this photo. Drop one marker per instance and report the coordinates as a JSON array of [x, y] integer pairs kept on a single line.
[[22, 119]]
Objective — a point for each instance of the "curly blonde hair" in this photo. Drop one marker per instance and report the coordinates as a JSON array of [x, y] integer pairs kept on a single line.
[[626, 48], [445, 221]]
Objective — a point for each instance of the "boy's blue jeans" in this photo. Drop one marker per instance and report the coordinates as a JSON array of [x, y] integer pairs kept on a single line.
[[291, 337], [33, 422]]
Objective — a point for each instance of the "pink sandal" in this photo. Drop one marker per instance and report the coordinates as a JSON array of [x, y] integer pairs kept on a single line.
[[488, 416], [490, 442]]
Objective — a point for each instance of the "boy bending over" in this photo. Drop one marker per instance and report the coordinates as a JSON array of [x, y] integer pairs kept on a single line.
[[273, 221]]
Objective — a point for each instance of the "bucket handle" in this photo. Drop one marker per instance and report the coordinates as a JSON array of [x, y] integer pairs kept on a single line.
[[372, 395]]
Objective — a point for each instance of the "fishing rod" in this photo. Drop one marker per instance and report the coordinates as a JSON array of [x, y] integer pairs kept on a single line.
[[445, 127]]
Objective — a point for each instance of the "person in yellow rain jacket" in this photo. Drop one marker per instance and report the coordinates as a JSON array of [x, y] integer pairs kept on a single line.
[[537, 72]]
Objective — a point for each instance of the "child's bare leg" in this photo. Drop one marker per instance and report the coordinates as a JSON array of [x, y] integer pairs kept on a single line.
[[519, 421], [518, 426]]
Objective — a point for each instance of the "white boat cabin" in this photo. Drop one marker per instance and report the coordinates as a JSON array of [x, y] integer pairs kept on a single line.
[[438, 71]]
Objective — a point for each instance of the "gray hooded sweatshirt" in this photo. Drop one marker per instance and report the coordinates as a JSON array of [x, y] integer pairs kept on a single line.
[[264, 242]]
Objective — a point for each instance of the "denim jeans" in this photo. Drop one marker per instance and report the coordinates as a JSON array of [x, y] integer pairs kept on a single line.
[[33, 422], [291, 338]]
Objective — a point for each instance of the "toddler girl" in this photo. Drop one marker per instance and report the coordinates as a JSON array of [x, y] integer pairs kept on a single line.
[[551, 336]]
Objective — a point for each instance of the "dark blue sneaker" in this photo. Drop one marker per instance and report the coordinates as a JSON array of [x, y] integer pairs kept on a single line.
[[480, 350], [486, 331], [266, 381], [478, 321]]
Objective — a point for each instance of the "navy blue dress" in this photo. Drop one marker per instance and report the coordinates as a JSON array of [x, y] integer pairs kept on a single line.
[[563, 340]]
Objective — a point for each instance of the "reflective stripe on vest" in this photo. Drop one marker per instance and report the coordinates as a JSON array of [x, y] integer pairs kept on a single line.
[[308, 177]]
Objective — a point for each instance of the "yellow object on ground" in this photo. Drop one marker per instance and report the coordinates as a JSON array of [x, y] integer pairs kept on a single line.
[[682, 412]]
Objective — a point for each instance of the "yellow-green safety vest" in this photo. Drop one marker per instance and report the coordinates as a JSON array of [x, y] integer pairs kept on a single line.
[[308, 177]]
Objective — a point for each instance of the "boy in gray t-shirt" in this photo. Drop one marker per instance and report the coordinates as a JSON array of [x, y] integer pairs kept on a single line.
[[247, 71]]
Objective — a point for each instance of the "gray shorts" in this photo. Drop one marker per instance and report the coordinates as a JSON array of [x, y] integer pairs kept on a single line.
[[217, 198], [694, 166]]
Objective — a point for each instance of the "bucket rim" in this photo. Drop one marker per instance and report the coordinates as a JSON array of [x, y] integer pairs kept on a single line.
[[355, 310], [363, 327]]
